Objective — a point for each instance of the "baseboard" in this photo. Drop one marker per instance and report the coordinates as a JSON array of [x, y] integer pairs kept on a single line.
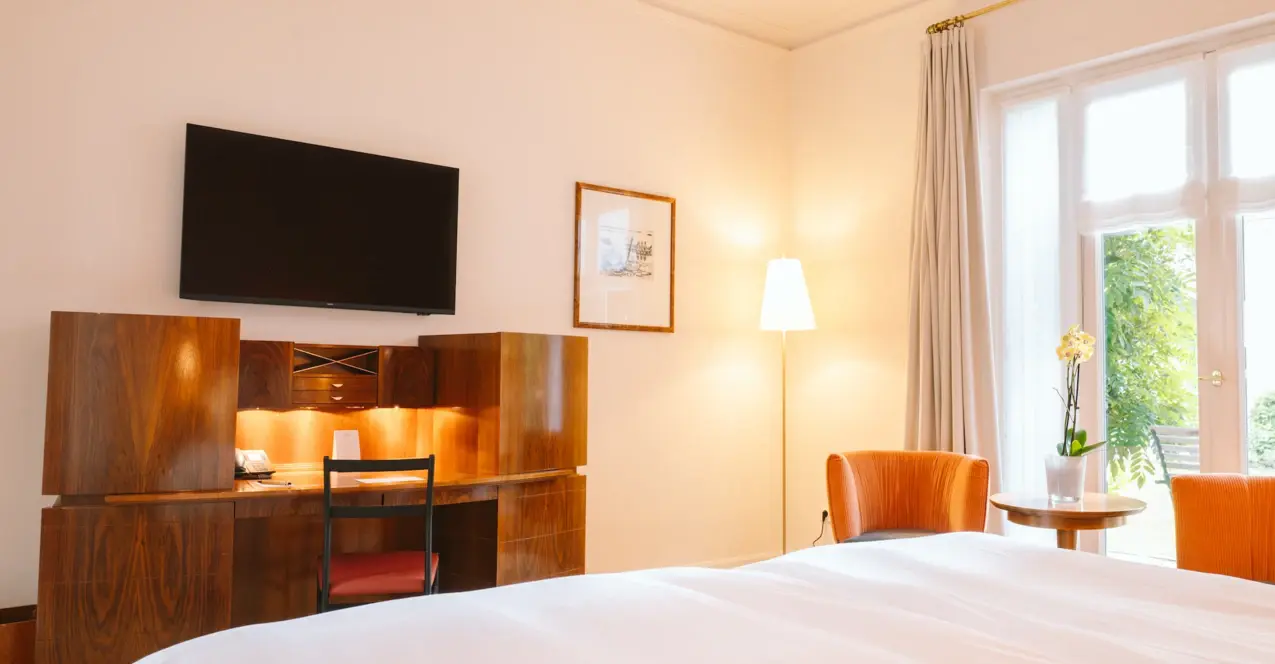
[[738, 561]]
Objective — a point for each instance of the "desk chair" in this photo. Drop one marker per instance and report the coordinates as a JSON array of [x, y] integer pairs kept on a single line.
[[400, 573], [896, 495], [1225, 524]]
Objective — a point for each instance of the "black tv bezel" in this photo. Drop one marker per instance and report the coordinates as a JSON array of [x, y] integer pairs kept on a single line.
[[185, 294]]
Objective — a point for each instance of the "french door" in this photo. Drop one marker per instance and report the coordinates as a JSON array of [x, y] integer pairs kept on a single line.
[[1141, 204], [1176, 221]]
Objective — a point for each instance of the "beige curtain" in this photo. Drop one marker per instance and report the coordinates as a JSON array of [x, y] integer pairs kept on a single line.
[[951, 373]]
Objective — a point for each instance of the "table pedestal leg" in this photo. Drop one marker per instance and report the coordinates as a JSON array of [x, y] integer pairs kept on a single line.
[[1067, 539]]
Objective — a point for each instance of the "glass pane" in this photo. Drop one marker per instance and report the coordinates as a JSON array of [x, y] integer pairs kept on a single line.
[[1151, 388], [1032, 293], [1251, 109], [1136, 143], [1259, 330]]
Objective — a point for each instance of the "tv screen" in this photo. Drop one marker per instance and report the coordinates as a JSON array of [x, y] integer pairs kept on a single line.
[[271, 221]]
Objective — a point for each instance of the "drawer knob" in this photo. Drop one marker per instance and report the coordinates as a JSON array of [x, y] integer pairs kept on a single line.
[[338, 384], [335, 398]]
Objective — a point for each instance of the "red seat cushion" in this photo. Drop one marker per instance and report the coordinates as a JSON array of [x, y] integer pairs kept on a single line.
[[394, 573]]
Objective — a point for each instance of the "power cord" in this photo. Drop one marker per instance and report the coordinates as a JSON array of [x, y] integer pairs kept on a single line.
[[823, 523]]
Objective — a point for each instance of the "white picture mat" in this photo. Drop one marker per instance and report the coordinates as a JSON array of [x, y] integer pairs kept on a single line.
[[613, 291]]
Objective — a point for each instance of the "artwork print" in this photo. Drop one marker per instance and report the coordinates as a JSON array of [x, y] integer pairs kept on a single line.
[[625, 253], [624, 259]]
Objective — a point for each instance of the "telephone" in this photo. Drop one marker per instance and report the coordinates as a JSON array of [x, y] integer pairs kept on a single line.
[[252, 465]]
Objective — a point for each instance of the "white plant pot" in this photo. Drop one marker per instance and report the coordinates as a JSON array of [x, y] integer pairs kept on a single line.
[[1065, 477]]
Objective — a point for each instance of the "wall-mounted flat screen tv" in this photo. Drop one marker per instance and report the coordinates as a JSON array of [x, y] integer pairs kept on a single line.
[[271, 221]]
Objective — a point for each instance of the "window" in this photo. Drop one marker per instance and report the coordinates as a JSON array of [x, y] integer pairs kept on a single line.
[[1139, 203]]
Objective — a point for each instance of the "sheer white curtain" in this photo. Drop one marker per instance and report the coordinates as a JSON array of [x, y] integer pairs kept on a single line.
[[951, 378], [1031, 292]]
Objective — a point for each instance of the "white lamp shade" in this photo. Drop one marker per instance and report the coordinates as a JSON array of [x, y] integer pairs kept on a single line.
[[785, 305]]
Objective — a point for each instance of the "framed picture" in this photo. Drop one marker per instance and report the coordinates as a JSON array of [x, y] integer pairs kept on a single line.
[[624, 259]]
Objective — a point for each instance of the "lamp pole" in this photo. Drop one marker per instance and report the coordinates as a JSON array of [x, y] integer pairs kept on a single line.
[[783, 425]]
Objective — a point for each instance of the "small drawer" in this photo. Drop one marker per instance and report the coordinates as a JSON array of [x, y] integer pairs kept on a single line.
[[335, 383], [359, 397]]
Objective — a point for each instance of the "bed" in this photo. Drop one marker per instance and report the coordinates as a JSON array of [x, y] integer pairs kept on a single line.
[[963, 597]]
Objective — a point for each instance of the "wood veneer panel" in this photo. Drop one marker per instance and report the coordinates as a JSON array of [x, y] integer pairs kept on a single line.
[[467, 381], [544, 402], [17, 634], [519, 401], [120, 582], [406, 377], [265, 374], [140, 403], [541, 531]]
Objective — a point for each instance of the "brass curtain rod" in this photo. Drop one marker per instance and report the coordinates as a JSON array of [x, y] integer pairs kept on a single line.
[[960, 20]]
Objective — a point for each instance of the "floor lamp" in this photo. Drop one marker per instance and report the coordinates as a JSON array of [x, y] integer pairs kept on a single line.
[[785, 307]]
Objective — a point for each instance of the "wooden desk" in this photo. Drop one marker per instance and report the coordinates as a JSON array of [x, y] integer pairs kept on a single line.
[[1096, 511], [191, 563], [151, 542], [309, 482]]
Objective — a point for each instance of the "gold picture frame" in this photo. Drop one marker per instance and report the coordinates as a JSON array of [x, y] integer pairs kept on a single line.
[[625, 260]]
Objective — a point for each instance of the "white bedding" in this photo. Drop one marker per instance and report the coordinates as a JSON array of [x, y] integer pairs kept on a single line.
[[951, 598]]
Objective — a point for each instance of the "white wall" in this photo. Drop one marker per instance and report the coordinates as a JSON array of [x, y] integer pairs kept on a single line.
[[525, 98], [854, 101]]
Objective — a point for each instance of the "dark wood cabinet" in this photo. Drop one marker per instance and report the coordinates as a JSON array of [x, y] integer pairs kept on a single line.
[[265, 374], [526, 397], [280, 375], [120, 582], [540, 530], [544, 400], [406, 377], [140, 403]]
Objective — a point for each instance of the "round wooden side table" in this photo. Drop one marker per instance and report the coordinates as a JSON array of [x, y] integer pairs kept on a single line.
[[1096, 511]]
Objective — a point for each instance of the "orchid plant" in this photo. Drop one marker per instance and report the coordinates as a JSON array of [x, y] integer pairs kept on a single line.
[[1076, 348]]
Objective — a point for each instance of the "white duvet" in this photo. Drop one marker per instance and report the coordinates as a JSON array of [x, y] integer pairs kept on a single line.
[[951, 598]]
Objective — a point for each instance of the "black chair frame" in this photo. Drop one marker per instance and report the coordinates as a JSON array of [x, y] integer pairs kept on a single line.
[[331, 512]]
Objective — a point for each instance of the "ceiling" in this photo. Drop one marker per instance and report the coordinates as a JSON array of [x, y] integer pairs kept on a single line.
[[786, 23]]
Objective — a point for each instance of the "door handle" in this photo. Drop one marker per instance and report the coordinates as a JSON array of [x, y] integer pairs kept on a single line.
[[1215, 379]]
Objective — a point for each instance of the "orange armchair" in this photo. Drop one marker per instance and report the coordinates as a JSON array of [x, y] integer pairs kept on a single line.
[[1226, 525], [886, 495]]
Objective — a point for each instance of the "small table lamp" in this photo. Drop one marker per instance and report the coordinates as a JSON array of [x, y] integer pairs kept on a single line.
[[785, 307]]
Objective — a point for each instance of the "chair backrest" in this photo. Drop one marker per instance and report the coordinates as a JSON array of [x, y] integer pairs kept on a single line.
[[330, 511], [1177, 449], [1225, 524], [884, 490]]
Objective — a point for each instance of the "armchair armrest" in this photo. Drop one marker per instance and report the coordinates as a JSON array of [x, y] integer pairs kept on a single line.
[[843, 499], [967, 505]]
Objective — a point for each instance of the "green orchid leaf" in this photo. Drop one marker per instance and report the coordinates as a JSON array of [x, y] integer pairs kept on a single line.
[[1086, 450], [1082, 436]]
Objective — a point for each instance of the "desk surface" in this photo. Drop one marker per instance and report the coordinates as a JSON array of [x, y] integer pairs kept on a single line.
[[310, 482]]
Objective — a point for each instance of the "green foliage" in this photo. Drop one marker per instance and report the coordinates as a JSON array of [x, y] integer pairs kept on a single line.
[[1077, 446], [1149, 291], [1261, 433]]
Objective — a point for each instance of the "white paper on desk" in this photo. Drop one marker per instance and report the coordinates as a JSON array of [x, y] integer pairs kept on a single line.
[[345, 444], [391, 479], [268, 487]]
